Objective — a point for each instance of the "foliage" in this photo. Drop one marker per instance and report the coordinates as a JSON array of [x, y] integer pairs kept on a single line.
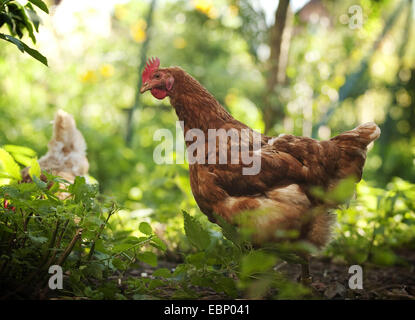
[[61, 223], [224, 45], [20, 18], [376, 224]]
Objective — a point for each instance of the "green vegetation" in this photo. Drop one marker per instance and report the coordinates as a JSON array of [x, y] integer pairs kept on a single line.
[[138, 233]]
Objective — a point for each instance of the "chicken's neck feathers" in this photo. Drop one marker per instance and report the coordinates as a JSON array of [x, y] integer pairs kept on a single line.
[[195, 106]]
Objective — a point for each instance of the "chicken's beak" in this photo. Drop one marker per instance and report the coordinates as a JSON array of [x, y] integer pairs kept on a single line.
[[146, 86]]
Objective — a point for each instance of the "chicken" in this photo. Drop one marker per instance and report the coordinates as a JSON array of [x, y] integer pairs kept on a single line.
[[290, 166], [66, 156]]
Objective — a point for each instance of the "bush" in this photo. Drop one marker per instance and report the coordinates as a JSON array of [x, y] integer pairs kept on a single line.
[[60, 223]]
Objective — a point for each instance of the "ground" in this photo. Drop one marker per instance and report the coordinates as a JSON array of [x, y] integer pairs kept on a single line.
[[330, 279]]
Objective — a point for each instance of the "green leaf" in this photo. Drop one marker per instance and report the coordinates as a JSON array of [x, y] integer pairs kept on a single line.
[[344, 190], [4, 18], [39, 239], [145, 228], [23, 160], [229, 231], [33, 16], [162, 272], [119, 264], [197, 259], [228, 286], [34, 168], [9, 165], [158, 243], [25, 48], [195, 233], [41, 185], [121, 247], [256, 262], [6, 175], [94, 270], [27, 23], [40, 4], [148, 257], [3, 2]]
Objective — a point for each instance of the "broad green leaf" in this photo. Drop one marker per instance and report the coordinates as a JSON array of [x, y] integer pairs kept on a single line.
[[19, 150], [162, 272], [121, 247], [155, 283], [5, 175], [256, 262], [145, 228], [228, 286], [10, 166], [39, 239], [27, 23], [94, 270], [148, 257], [40, 4], [33, 16], [34, 168], [23, 160], [229, 231], [25, 48], [158, 243], [195, 233], [198, 259], [344, 190]]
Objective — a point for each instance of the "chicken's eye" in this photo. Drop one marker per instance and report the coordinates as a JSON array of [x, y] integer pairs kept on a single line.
[[157, 76]]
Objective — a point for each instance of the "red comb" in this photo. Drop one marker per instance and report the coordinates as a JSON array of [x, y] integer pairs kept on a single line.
[[152, 65]]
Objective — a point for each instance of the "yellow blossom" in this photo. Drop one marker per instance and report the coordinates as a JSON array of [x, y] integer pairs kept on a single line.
[[233, 10], [138, 31], [88, 76], [107, 70], [120, 12], [230, 99], [206, 7], [179, 43]]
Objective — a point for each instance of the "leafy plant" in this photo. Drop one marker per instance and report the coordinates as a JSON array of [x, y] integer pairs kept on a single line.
[[61, 223], [19, 19]]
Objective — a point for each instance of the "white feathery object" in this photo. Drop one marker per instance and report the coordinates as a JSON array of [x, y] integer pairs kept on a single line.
[[66, 156]]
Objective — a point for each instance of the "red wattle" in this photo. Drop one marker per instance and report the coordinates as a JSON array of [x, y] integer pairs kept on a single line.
[[158, 93]]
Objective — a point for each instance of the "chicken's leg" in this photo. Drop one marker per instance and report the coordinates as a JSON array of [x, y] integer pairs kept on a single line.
[[305, 277]]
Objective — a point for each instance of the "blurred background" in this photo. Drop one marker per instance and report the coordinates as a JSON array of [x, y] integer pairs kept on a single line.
[[312, 68]]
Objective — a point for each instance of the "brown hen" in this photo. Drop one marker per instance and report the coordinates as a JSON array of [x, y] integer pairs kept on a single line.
[[290, 166]]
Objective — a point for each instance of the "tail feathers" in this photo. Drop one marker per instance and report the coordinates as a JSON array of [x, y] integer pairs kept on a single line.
[[360, 136], [368, 132], [353, 146]]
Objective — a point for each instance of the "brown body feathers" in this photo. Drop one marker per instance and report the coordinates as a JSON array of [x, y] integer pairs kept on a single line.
[[290, 167]]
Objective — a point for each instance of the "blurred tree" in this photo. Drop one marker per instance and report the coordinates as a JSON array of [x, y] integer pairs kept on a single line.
[[273, 111], [143, 58], [400, 125], [357, 82]]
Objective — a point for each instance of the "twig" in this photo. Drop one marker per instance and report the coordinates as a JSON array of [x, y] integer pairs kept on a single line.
[[58, 243], [51, 244], [69, 248], [92, 250], [62, 258]]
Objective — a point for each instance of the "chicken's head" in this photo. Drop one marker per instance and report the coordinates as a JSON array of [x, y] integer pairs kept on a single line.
[[158, 81]]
